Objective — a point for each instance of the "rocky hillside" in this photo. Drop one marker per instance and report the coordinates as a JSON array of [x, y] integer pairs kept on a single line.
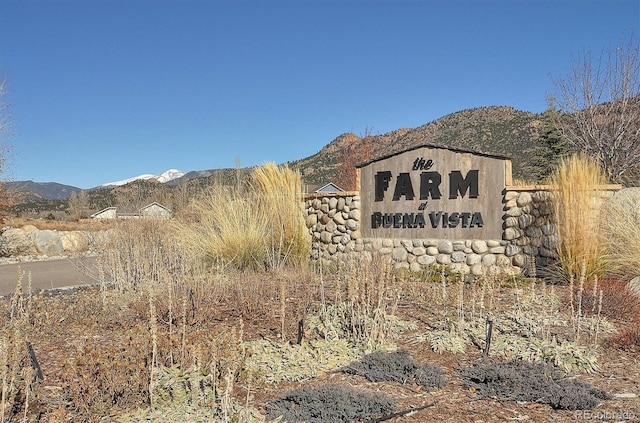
[[501, 131]]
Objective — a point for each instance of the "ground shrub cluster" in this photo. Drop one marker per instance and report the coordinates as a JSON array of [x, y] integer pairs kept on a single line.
[[627, 339], [329, 403], [532, 382], [397, 366]]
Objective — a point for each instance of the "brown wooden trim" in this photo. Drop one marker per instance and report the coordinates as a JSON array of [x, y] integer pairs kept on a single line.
[[508, 173]]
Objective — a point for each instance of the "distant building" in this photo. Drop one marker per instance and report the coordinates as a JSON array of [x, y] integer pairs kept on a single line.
[[108, 213], [155, 210], [150, 211]]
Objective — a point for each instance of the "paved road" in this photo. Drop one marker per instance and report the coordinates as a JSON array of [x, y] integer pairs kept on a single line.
[[47, 274]]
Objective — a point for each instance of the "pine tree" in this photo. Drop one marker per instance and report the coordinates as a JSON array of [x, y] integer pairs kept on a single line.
[[550, 149]]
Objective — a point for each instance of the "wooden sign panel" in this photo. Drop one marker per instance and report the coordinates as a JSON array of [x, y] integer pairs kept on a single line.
[[434, 192]]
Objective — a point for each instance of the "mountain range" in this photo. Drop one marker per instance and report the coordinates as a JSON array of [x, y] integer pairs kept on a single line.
[[499, 130]]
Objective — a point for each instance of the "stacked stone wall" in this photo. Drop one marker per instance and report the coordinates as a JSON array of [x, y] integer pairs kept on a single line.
[[529, 239], [334, 224], [529, 228]]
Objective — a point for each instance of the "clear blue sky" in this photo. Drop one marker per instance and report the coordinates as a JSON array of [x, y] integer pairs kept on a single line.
[[103, 90]]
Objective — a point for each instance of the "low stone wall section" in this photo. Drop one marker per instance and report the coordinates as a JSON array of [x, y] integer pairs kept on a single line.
[[529, 228], [529, 224], [529, 240]]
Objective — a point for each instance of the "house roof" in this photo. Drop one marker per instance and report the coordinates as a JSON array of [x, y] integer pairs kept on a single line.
[[102, 211], [154, 204], [330, 187]]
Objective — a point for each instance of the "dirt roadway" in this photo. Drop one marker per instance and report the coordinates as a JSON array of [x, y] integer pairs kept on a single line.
[[47, 274]]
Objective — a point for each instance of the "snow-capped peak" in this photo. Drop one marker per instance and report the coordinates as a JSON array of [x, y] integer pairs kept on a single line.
[[166, 176], [169, 175]]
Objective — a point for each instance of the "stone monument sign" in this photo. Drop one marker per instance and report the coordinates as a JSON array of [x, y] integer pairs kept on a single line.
[[434, 192]]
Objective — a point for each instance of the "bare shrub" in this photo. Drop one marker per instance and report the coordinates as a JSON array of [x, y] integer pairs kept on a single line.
[[329, 403], [599, 109], [7, 197], [149, 334], [143, 252], [612, 297], [141, 356], [618, 302], [628, 338], [101, 376], [356, 151], [531, 382], [16, 378]]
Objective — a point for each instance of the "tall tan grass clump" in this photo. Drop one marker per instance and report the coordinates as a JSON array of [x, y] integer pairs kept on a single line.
[[280, 197], [224, 227], [622, 232], [257, 226], [578, 207]]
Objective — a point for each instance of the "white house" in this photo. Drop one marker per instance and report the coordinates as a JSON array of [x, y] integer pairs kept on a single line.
[[155, 210], [150, 211]]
